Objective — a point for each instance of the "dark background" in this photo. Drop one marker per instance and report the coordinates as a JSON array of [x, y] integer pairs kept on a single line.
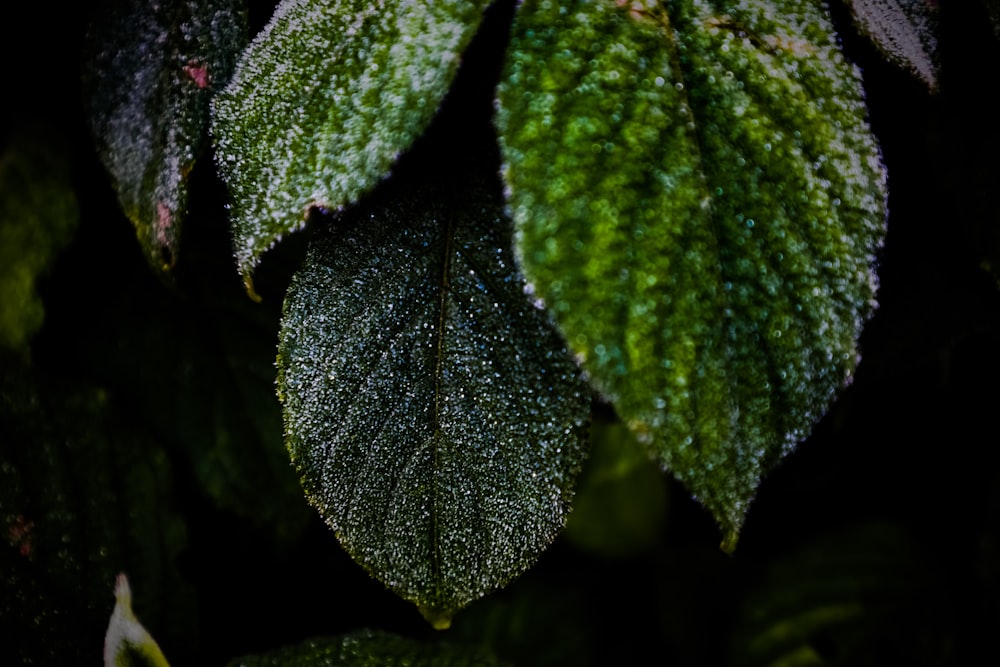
[[876, 542]]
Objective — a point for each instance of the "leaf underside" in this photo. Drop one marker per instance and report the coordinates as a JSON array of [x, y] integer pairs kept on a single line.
[[698, 200], [151, 70], [434, 414], [324, 101]]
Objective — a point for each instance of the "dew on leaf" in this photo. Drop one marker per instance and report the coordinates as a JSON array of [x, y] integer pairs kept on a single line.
[[377, 77], [759, 103], [435, 415]]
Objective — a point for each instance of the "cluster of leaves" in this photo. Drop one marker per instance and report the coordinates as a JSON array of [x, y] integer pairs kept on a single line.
[[672, 216], [697, 202]]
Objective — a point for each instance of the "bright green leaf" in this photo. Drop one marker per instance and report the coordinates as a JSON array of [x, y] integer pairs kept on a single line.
[[698, 200], [370, 648], [38, 215], [431, 408], [324, 101], [150, 72], [905, 31]]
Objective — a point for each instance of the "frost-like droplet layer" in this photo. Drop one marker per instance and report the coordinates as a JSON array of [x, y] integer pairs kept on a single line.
[[371, 648], [905, 31], [698, 200], [151, 70], [435, 416], [324, 100]]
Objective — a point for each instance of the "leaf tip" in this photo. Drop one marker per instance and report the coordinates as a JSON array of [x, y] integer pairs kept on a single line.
[[729, 542], [248, 286], [127, 642], [439, 619]]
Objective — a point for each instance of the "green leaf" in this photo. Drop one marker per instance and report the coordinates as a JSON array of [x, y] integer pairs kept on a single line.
[[432, 410], [150, 71], [369, 648], [38, 215], [127, 643], [698, 200], [322, 103], [905, 31]]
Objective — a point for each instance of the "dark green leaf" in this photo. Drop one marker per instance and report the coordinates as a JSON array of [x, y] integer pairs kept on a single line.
[[369, 648], [151, 70], [38, 215], [323, 102], [698, 200], [859, 596], [435, 416], [905, 31]]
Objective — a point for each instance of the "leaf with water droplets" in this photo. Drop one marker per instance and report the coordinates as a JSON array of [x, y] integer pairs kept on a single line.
[[323, 102], [698, 200], [435, 416], [370, 648], [905, 31], [151, 69]]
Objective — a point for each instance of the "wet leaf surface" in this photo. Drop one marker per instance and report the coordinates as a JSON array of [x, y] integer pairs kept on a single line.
[[906, 31], [431, 408], [370, 648], [699, 201], [324, 101], [150, 71]]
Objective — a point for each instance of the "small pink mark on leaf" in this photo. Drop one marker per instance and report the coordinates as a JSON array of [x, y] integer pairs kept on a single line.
[[164, 234], [198, 72], [19, 534], [163, 222]]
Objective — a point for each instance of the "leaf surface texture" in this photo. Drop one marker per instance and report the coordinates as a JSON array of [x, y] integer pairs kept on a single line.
[[431, 408], [905, 31], [698, 199], [151, 69], [324, 101], [370, 648]]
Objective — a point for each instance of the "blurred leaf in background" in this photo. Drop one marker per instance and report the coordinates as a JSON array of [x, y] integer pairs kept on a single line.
[[84, 494], [370, 648], [860, 596], [38, 216], [622, 498]]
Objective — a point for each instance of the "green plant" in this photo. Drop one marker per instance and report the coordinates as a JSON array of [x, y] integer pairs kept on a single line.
[[488, 240]]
